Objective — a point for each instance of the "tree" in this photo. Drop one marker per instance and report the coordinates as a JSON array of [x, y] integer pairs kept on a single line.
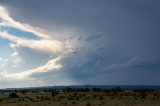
[[116, 89], [54, 93]]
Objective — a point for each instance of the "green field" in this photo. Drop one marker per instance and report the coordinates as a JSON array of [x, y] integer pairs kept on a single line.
[[81, 99]]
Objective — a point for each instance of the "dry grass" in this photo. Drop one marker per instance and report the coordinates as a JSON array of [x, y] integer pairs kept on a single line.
[[82, 99]]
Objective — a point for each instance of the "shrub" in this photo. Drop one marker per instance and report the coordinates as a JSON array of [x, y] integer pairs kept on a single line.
[[135, 98], [101, 98], [70, 98], [88, 104], [75, 94], [54, 93], [77, 98], [13, 95], [1, 99], [37, 97], [73, 103]]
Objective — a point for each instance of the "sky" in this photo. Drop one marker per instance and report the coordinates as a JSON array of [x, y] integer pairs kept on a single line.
[[78, 42]]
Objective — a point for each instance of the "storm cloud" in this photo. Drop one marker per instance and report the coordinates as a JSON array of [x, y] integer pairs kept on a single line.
[[93, 42]]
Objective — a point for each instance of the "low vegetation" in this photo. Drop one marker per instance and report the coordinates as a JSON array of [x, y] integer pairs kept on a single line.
[[80, 97]]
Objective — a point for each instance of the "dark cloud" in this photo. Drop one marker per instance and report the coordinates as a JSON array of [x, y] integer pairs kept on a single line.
[[147, 64], [128, 29], [93, 36]]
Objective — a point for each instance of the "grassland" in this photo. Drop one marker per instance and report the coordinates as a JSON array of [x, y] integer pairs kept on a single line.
[[87, 98]]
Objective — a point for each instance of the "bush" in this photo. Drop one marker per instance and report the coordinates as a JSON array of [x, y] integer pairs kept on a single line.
[[100, 98], [73, 103], [70, 98], [13, 95], [54, 93], [46, 98], [88, 104], [75, 94], [116, 89], [77, 98], [37, 97], [1, 99], [135, 98]]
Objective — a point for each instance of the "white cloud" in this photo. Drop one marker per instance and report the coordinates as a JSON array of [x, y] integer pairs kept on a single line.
[[8, 21], [16, 58], [50, 65], [1, 59], [44, 44]]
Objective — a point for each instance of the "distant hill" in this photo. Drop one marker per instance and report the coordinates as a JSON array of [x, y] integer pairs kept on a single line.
[[153, 87]]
